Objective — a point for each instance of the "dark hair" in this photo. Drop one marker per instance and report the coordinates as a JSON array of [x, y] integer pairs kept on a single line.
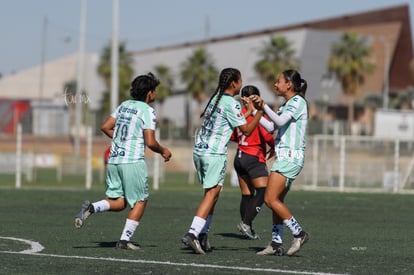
[[249, 90], [227, 76], [299, 85], [142, 84]]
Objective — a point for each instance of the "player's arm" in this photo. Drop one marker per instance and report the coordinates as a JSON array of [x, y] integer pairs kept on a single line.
[[248, 128], [154, 145], [279, 120], [108, 126]]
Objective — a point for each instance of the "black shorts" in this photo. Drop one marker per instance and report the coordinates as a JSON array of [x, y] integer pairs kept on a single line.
[[248, 165]]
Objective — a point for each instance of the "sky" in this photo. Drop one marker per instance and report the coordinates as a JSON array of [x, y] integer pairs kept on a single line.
[[36, 30]]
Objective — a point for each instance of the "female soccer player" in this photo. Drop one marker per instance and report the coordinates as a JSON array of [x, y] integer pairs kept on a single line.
[[221, 115], [251, 168], [290, 142], [132, 128]]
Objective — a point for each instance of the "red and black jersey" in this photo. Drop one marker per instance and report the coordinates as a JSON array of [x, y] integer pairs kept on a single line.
[[256, 143]]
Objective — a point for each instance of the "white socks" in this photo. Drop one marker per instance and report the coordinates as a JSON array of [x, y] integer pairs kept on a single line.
[[129, 229], [101, 206], [293, 225], [196, 226]]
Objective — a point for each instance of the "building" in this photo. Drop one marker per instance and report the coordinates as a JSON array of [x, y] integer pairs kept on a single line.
[[388, 29]]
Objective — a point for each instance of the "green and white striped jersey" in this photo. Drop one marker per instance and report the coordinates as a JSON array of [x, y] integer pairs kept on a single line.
[[292, 135], [217, 128], [128, 143]]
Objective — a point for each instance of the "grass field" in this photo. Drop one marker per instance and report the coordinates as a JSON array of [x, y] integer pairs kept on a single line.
[[350, 234]]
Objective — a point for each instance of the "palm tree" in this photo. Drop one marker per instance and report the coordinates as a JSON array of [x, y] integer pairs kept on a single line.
[[125, 75], [199, 75], [276, 56], [349, 62], [165, 88]]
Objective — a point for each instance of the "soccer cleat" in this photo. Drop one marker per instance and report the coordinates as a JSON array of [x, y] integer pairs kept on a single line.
[[204, 243], [297, 243], [247, 231], [123, 244], [190, 240], [273, 248], [85, 212]]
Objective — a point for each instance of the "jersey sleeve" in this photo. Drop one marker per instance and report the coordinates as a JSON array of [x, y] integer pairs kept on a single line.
[[235, 115], [114, 113], [295, 107], [149, 119]]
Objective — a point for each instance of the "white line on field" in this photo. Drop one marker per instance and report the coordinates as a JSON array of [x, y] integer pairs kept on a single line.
[[36, 247]]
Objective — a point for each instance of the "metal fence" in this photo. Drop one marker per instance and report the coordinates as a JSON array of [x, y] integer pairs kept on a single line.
[[358, 163], [334, 163]]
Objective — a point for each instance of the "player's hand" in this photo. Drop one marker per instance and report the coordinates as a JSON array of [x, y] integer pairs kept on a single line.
[[166, 154], [249, 104], [257, 101]]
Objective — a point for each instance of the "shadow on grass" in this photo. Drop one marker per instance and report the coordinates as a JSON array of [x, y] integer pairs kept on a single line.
[[232, 235], [101, 245]]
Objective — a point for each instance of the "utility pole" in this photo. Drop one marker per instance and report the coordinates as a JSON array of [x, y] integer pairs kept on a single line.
[[385, 94], [42, 61], [114, 56], [79, 81]]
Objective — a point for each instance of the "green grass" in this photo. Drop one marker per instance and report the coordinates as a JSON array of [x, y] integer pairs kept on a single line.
[[350, 233]]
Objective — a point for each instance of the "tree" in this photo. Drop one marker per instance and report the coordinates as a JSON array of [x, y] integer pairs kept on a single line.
[[349, 62], [199, 75], [125, 75], [276, 56], [165, 88]]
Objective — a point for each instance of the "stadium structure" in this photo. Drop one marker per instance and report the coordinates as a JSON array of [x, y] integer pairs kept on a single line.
[[41, 105]]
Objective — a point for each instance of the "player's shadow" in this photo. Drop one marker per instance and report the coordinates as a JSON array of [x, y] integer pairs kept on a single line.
[[100, 245], [231, 235], [97, 245]]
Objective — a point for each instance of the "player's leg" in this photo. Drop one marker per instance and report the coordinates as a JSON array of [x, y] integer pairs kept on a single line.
[[135, 183]]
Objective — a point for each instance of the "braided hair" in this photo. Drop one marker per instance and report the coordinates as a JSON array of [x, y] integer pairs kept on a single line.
[[227, 76], [141, 85]]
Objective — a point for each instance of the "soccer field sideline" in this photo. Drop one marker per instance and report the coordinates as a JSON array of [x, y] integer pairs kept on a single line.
[[36, 248]]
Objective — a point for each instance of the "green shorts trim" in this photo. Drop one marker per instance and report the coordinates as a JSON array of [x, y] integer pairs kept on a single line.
[[211, 170], [288, 169], [127, 180]]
